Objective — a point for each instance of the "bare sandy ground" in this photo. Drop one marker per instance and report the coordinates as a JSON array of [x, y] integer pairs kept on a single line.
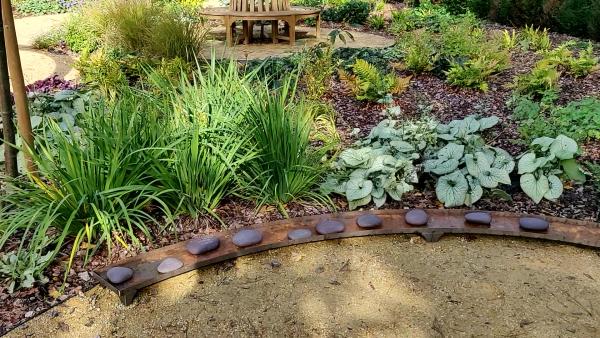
[[39, 64], [376, 286]]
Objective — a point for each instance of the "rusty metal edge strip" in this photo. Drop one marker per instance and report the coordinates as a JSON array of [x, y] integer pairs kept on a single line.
[[396, 225]]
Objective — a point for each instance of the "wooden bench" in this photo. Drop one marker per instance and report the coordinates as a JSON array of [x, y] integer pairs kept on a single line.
[[274, 11]]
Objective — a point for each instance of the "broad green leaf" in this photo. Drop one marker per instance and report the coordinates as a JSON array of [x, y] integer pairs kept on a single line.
[[355, 157], [555, 188], [358, 189], [452, 189], [402, 146], [535, 188], [441, 167], [563, 147], [379, 201], [452, 150], [488, 122], [36, 121], [572, 170], [475, 191], [477, 163], [503, 160], [359, 203], [543, 142], [527, 164]]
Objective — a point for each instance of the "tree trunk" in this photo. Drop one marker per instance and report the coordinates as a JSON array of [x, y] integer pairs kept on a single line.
[[8, 127], [18, 83]]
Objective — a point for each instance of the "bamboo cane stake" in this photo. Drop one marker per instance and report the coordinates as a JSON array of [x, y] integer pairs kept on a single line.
[[18, 83]]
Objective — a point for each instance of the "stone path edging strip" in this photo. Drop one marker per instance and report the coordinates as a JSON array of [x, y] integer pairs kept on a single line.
[[275, 235]]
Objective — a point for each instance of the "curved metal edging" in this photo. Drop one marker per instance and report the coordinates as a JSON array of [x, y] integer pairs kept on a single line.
[[441, 221]]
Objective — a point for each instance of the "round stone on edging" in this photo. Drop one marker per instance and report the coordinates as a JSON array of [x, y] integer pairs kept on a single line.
[[119, 274], [198, 246], [479, 217], [416, 217], [368, 221], [533, 224], [330, 227], [297, 234], [169, 264], [247, 237]]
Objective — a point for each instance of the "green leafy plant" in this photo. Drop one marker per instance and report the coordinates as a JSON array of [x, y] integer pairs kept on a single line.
[[585, 63], [376, 21], [510, 39], [541, 81], [541, 167], [426, 15], [382, 164], [465, 165], [473, 73], [594, 170], [535, 39], [420, 51], [580, 120], [368, 83], [22, 269]]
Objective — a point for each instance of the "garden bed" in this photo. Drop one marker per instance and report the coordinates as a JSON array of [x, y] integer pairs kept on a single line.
[[426, 94]]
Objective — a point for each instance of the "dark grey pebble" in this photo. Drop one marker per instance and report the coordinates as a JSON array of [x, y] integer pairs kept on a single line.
[[479, 217], [299, 234], [533, 224], [169, 264], [198, 246], [330, 227], [119, 274], [416, 217], [247, 237], [369, 221]]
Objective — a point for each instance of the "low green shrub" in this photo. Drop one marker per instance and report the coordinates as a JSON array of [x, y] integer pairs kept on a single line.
[[22, 269], [594, 170], [80, 34], [39, 7], [541, 81], [579, 120], [575, 17], [535, 39], [426, 15], [353, 12]]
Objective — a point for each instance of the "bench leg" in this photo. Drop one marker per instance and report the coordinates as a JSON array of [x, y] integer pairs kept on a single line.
[[292, 25], [228, 32], [275, 31], [318, 33], [246, 31]]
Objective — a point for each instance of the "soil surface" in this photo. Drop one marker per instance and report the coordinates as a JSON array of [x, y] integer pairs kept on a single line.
[[382, 286]]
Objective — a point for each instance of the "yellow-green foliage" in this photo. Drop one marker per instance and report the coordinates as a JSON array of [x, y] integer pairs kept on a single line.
[[368, 83], [535, 39]]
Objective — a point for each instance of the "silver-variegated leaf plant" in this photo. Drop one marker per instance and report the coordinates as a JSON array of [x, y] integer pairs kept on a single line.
[[382, 167], [543, 165]]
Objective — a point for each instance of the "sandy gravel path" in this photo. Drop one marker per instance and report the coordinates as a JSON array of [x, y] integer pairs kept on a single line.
[[377, 286], [39, 64]]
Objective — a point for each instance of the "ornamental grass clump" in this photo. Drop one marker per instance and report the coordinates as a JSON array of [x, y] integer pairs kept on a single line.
[[287, 166]]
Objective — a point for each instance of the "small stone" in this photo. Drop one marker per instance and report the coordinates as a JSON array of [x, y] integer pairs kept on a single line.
[[330, 227], [417, 217], [533, 224], [198, 246], [478, 217], [169, 264], [275, 263], [299, 234], [85, 276], [369, 221], [29, 314], [119, 274], [247, 237]]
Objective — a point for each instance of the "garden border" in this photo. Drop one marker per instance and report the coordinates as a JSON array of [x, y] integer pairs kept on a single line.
[[275, 235]]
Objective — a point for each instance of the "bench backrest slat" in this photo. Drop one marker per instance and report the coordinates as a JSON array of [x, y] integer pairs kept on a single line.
[[259, 5]]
